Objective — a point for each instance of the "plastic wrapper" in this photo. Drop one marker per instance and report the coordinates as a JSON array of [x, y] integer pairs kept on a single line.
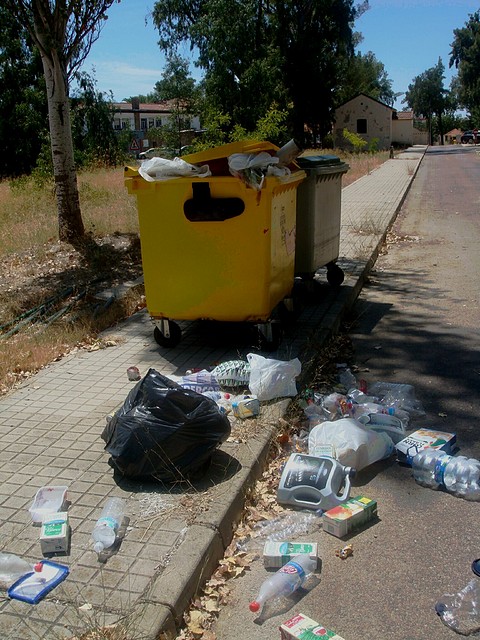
[[164, 431], [252, 168], [163, 169], [270, 379], [354, 444], [401, 396]]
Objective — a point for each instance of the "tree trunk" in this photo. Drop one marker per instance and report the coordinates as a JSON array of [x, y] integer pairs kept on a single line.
[[70, 224]]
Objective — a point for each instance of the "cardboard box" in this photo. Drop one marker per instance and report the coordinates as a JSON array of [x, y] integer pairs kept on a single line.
[[419, 440], [302, 627], [55, 533], [276, 554], [351, 515]]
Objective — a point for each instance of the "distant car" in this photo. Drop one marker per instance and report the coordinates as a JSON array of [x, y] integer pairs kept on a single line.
[[156, 152], [468, 137]]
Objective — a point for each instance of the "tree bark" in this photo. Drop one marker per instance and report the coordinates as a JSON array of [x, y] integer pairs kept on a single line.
[[70, 224]]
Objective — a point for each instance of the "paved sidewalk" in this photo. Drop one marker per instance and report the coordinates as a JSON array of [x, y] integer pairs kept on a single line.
[[50, 431]]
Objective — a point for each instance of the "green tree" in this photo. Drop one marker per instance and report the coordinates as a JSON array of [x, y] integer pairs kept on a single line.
[[63, 32], [178, 87], [465, 55], [94, 139], [427, 97], [260, 52], [365, 74], [23, 103]]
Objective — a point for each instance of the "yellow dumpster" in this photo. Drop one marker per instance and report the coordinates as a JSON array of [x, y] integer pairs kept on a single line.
[[214, 248]]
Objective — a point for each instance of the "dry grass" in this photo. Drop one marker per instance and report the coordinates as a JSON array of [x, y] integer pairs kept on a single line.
[[34, 266]]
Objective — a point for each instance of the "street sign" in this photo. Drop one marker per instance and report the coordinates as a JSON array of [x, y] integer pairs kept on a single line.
[[134, 145]]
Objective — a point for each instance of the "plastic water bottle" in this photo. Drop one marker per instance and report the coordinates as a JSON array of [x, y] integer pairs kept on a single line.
[[459, 475], [285, 581], [12, 568], [461, 611], [424, 464], [105, 531]]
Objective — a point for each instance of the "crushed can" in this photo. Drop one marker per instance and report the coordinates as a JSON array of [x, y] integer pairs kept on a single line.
[[313, 482]]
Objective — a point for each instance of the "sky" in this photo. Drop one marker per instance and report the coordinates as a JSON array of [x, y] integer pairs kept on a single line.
[[407, 36]]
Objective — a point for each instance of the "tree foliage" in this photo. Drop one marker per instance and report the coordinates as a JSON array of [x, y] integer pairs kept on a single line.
[[257, 53], [23, 102], [94, 140], [365, 74], [427, 96], [465, 55]]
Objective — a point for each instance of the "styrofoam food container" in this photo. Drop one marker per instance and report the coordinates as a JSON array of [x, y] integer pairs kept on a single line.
[[47, 500]]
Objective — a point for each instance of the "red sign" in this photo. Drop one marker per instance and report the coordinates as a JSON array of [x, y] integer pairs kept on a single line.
[[134, 145]]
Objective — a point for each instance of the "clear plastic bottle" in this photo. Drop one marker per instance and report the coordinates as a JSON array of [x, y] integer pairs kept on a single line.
[[105, 531], [285, 581], [461, 611], [12, 568], [459, 475], [424, 464]]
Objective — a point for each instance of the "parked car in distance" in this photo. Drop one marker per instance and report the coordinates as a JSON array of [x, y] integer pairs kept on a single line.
[[156, 152], [468, 137]]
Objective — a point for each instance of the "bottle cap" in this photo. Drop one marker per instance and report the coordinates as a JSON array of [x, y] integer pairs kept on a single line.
[[254, 606], [99, 547]]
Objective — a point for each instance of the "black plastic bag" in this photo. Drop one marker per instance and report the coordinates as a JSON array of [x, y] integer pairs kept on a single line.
[[164, 431]]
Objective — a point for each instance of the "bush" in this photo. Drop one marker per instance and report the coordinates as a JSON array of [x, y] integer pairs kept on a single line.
[[355, 140]]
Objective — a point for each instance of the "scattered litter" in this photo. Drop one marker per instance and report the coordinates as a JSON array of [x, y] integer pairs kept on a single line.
[[276, 554], [47, 500], [344, 552], [133, 374], [353, 514], [271, 379], [314, 483], [55, 533], [34, 586], [233, 373], [355, 444], [408, 448], [301, 626]]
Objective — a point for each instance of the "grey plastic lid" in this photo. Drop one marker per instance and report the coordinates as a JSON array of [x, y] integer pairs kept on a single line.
[[309, 162]]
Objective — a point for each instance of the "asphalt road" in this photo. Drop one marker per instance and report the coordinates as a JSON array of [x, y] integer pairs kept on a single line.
[[415, 322]]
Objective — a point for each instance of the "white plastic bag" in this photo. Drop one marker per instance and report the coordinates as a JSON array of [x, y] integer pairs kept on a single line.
[[271, 378], [163, 169], [253, 167], [355, 445]]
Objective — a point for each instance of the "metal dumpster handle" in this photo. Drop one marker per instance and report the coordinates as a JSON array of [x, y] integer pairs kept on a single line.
[[203, 208]]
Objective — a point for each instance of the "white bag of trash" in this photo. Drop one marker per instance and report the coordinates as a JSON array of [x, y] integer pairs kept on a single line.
[[354, 444], [164, 169], [271, 378]]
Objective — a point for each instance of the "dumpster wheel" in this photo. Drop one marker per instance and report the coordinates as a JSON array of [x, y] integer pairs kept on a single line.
[[270, 335], [169, 335], [335, 275]]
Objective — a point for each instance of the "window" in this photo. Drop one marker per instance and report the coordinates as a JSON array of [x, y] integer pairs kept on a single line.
[[143, 124], [361, 125], [151, 123]]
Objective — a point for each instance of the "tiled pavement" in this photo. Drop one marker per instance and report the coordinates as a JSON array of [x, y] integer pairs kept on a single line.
[[50, 434]]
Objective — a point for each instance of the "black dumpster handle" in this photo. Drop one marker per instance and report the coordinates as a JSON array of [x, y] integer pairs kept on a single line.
[[203, 208]]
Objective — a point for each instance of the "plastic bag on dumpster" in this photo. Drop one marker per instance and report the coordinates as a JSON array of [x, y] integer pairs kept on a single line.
[[271, 378], [163, 169], [355, 445], [164, 431], [253, 167]]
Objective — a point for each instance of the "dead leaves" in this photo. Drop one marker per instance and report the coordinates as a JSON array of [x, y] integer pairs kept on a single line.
[[204, 609]]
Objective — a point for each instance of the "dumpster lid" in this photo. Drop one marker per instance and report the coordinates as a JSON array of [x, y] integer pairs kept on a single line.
[[309, 162], [226, 150]]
